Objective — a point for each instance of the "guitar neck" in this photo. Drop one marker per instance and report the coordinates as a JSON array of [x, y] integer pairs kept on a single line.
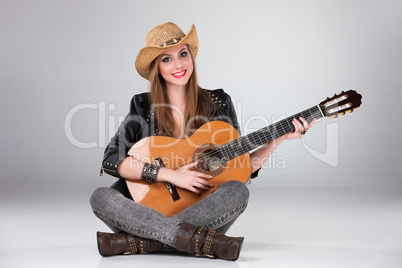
[[256, 139]]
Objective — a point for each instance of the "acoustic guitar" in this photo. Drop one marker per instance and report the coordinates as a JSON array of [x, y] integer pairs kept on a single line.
[[220, 151]]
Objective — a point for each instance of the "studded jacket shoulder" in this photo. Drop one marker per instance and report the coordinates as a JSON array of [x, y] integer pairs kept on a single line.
[[140, 123]]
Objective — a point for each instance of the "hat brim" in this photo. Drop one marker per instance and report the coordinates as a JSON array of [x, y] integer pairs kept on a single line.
[[149, 53]]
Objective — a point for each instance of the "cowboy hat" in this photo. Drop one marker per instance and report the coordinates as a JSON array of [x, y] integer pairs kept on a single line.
[[161, 38]]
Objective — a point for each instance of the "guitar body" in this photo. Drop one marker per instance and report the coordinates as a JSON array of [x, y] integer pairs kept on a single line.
[[175, 153]]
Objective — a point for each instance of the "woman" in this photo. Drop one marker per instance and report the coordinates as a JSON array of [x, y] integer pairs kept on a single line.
[[175, 106]]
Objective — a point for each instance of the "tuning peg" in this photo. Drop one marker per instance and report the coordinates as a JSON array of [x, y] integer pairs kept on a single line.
[[342, 113], [335, 116], [334, 96], [350, 111], [327, 99], [342, 92]]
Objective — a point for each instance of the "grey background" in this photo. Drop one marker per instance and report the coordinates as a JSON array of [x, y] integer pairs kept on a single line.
[[275, 58]]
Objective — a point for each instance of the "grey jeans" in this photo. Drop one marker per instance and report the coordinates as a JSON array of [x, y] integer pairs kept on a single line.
[[217, 211]]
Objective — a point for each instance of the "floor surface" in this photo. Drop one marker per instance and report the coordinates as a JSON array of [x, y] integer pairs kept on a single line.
[[281, 229]]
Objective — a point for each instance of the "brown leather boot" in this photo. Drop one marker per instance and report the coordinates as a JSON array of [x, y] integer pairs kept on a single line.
[[123, 243], [209, 243]]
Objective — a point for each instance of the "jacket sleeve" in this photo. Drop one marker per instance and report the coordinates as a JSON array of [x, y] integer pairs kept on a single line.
[[127, 135]]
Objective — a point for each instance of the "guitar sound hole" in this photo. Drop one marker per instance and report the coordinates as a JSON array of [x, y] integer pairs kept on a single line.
[[209, 160]]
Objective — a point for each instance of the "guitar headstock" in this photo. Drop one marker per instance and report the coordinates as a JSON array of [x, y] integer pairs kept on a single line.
[[341, 103]]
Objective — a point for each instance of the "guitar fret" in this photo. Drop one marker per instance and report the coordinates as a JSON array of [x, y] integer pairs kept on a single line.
[[290, 125], [309, 110], [243, 146], [248, 143], [239, 147], [318, 113], [247, 146], [275, 134], [266, 135], [253, 143], [222, 153], [231, 151], [257, 140], [261, 136], [258, 136], [282, 128], [307, 116]]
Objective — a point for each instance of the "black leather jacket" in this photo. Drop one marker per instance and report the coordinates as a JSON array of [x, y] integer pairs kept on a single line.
[[141, 123]]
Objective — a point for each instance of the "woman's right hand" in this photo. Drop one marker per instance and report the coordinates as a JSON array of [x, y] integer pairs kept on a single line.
[[186, 178]]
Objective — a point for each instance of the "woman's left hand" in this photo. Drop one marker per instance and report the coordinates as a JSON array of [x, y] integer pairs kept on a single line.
[[299, 128]]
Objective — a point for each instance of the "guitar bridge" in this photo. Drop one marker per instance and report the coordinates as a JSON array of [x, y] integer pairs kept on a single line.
[[171, 188]]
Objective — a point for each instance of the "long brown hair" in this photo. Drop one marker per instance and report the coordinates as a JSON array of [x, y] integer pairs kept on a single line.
[[199, 106]]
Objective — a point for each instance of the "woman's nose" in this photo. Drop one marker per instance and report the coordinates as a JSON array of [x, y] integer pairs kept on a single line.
[[179, 63]]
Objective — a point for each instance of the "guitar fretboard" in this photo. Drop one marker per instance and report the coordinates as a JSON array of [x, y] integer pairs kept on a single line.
[[255, 139]]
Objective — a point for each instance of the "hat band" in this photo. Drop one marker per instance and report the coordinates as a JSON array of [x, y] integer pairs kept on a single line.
[[172, 42]]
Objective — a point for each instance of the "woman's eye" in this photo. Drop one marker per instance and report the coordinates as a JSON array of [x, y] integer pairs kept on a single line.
[[166, 59], [184, 54]]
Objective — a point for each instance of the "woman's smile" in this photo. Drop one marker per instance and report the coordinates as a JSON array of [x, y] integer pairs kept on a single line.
[[180, 74]]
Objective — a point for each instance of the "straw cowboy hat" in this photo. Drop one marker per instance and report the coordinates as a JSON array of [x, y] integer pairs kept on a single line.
[[161, 38]]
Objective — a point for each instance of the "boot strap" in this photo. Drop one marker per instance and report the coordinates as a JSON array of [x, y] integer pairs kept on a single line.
[[132, 246], [198, 240], [209, 239]]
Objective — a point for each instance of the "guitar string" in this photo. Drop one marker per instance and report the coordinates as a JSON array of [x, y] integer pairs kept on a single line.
[[260, 134], [227, 148], [230, 151]]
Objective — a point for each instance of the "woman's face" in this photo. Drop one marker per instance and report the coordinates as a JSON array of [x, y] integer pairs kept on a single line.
[[176, 66]]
